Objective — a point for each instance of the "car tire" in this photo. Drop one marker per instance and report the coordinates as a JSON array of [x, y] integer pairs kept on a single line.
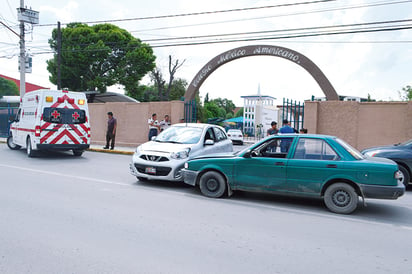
[[341, 198], [212, 184], [77, 152], [405, 175], [29, 149], [12, 145]]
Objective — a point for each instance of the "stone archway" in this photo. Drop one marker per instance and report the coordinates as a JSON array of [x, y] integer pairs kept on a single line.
[[257, 50]]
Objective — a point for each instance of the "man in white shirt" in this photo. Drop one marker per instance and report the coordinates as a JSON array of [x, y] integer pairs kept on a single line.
[[165, 123], [153, 126]]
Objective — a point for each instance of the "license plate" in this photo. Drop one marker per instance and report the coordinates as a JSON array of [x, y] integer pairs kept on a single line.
[[151, 170]]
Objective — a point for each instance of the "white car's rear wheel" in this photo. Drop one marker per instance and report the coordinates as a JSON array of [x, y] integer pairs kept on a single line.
[[11, 144], [29, 149]]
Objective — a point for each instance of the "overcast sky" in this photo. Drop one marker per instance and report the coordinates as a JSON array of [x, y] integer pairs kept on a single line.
[[357, 64]]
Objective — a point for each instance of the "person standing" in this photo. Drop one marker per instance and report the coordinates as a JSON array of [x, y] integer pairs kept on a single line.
[[153, 126], [165, 123], [273, 129], [111, 130], [285, 142]]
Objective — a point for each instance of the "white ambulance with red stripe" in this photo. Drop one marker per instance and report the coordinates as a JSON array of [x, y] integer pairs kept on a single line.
[[51, 120]]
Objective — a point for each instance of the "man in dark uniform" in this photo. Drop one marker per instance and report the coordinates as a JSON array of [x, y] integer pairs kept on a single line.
[[111, 130]]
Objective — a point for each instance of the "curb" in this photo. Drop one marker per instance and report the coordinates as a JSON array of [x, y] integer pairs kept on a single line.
[[110, 151]]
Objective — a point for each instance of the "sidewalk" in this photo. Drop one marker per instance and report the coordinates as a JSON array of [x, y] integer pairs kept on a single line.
[[99, 148], [118, 150]]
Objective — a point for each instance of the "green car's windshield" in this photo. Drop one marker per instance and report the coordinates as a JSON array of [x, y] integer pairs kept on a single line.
[[180, 135], [353, 151]]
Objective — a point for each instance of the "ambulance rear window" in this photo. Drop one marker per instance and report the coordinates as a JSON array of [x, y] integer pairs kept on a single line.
[[64, 116]]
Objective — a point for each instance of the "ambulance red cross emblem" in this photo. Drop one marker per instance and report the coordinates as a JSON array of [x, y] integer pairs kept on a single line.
[[55, 114], [75, 115]]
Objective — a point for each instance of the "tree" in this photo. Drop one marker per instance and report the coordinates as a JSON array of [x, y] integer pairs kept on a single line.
[[8, 88], [211, 110], [177, 89], [157, 77], [95, 57], [150, 93], [239, 113], [226, 104], [406, 94]]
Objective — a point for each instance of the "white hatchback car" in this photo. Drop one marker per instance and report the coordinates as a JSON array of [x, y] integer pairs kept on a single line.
[[235, 135], [164, 156]]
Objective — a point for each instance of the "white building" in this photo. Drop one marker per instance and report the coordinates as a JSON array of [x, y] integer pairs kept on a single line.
[[258, 113]]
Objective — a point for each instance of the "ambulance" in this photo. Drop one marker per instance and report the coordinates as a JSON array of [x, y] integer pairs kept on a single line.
[[51, 120]]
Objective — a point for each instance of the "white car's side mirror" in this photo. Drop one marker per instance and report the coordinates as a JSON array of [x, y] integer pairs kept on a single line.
[[209, 142]]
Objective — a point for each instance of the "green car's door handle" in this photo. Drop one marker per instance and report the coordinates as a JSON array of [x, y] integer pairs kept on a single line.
[[279, 164], [331, 166]]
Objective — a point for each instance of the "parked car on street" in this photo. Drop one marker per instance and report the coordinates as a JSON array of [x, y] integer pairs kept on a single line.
[[313, 166], [399, 153], [163, 157], [236, 136]]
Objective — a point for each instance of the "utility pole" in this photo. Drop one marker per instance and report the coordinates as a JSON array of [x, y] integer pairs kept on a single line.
[[22, 55], [59, 56], [24, 16]]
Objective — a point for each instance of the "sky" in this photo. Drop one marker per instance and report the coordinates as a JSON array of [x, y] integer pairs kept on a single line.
[[357, 64]]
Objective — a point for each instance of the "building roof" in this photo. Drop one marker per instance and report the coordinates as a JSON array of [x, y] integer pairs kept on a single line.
[[258, 96], [29, 86], [96, 97]]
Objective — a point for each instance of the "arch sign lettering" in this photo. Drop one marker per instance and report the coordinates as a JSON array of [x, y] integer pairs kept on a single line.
[[257, 50]]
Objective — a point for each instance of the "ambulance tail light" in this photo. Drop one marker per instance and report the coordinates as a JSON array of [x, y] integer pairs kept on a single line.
[[80, 102], [37, 131], [49, 99], [88, 132]]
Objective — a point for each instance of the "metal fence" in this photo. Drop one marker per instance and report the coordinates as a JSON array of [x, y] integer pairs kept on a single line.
[[7, 114], [294, 112], [190, 111]]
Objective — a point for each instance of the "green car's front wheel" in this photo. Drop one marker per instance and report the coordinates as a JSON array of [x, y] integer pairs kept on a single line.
[[341, 198], [212, 184]]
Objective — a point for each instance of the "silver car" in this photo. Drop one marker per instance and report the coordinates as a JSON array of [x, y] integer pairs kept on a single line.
[[164, 156]]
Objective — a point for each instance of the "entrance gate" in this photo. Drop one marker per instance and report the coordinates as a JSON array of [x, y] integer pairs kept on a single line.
[[259, 50], [294, 112]]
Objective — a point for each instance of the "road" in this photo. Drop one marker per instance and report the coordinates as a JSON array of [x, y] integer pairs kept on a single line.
[[64, 214]]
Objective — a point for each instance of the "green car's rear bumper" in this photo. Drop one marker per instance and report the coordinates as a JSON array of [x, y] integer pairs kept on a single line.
[[383, 192]]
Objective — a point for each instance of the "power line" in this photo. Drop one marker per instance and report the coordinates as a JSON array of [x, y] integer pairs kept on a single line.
[[265, 38], [197, 13], [283, 30], [376, 4]]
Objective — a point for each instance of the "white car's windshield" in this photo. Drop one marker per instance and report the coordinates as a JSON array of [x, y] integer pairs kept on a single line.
[[180, 135]]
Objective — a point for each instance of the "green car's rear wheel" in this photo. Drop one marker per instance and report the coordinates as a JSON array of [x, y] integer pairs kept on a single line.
[[212, 184], [341, 198]]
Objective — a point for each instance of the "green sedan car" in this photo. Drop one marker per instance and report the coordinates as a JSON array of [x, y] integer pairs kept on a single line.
[[300, 165]]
